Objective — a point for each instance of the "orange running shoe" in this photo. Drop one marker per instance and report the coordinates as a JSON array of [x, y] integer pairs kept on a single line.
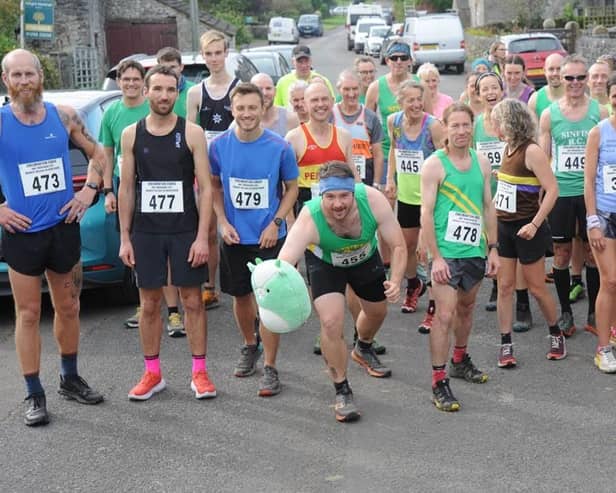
[[202, 386], [150, 384], [210, 298], [412, 297]]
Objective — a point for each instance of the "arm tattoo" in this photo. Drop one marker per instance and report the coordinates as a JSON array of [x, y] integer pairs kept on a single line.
[[64, 118], [98, 167], [82, 128]]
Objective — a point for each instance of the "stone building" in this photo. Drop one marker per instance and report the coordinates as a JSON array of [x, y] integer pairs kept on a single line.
[[93, 35]]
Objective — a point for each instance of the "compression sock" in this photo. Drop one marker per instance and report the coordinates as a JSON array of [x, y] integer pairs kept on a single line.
[[412, 284], [198, 363], [363, 345], [152, 364], [562, 281], [342, 387], [521, 297], [593, 283], [576, 279], [506, 338], [438, 373], [458, 354], [68, 365], [33, 384], [431, 307], [555, 330]]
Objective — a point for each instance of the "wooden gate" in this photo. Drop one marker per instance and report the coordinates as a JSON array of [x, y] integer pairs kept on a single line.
[[126, 37]]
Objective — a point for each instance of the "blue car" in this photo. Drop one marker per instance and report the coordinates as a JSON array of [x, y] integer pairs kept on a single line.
[[100, 237]]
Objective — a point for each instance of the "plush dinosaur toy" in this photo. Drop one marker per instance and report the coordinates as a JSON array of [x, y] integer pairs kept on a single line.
[[281, 294]]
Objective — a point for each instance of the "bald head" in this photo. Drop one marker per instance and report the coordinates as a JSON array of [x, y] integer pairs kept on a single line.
[[319, 101], [551, 67], [261, 78], [266, 85], [20, 57]]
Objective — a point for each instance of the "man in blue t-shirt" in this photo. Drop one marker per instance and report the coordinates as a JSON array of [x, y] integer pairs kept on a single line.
[[254, 177]]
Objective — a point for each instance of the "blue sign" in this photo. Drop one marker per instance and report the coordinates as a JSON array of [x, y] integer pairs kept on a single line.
[[39, 19]]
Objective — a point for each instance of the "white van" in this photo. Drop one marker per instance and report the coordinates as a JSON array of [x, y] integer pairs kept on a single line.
[[354, 13], [436, 38], [362, 30], [282, 30]]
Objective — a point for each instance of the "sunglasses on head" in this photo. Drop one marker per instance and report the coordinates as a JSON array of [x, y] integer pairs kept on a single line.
[[571, 78], [399, 58]]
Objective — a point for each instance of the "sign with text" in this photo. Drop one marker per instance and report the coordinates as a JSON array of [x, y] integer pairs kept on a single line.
[[39, 19]]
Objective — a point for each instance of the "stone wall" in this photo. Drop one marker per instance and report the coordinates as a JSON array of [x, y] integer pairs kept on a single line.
[[591, 47], [477, 46]]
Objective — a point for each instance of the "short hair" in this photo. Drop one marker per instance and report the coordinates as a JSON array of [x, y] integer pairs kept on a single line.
[[409, 84], [427, 69], [575, 58], [515, 60], [611, 82], [339, 169], [35, 60], [128, 64], [362, 59], [211, 36], [169, 54], [245, 88], [346, 74], [457, 107], [515, 120], [160, 69]]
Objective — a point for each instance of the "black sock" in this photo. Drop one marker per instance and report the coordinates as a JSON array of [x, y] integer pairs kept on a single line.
[[494, 284], [593, 283], [412, 283], [506, 338], [363, 345], [431, 307], [554, 330], [521, 296], [562, 281], [576, 279], [172, 309], [342, 387]]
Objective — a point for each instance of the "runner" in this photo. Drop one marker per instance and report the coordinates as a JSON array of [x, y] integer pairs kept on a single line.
[[209, 105], [121, 113], [415, 135], [563, 131], [365, 68], [338, 228], [40, 221], [435, 101], [598, 74], [297, 102], [250, 165], [456, 209], [600, 200], [275, 118], [469, 96], [161, 226], [553, 90], [514, 79], [301, 57], [523, 233], [496, 56]]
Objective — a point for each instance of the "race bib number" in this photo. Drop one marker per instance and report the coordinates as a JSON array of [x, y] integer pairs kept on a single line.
[[570, 159], [463, 228], [609, 178], [360, 163], [349, 259], [40, 177], [408, 161], [210, 135], [493, 150], [506, 197], [249, 194], [162, 197]]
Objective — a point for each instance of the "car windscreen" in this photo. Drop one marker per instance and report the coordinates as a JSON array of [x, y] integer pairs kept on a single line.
[[365, 28], [309, 19], [379, 31], [265, 64], [531, 45]]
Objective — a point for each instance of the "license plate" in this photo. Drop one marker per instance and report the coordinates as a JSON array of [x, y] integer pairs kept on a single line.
[[429, 47], [534, 72]]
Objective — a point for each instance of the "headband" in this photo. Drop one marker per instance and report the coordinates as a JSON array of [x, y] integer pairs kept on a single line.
[[336, 183]]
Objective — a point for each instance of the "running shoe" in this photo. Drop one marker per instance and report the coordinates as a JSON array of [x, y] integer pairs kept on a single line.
[[613, 335], [443, 398], [591, 324], [316, 347], [577, 292], [202, 386], [605, 361], [75, 388], [269, 384], [491, 304], [247, 364], [175, 327], [467, 370], [566, 324], [345, 408], [426, 325], [133, 321], [506, 359], [210, 298], [36, 414], [523, 318], [558, 350], [412, 297], [370, 361], [150, 384]]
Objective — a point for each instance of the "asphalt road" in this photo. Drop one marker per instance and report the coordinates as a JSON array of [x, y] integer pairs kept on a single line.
[[545, 426]]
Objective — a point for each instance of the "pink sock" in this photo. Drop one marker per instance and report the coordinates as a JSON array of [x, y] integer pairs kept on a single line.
[[458, 353], [152, 364], [199, 363]]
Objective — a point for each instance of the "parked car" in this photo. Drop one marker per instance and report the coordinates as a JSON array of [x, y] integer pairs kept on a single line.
[[356, 12], [195, 69], [436, 38], [339, 10], [372, 46], [533, 48], [282, 30], [100, 238], [362, 29], [269, 62], [285, 50], [388, 15], [310, 25]]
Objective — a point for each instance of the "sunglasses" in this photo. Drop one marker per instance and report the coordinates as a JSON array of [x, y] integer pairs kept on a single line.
[[571, 78], [399, 58]]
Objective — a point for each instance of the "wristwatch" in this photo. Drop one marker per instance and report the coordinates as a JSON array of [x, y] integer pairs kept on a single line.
[[278, 221], [107, 190], [92, 185], [493, 245]]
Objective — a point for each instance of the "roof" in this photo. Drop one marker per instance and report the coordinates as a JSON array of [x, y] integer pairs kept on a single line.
[[77, 99], [508, 38], [207, 19]]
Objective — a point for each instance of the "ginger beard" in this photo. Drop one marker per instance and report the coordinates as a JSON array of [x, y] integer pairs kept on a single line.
[[26, 95]]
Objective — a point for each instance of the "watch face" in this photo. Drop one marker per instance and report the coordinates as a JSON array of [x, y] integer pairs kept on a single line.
[[277, 221]]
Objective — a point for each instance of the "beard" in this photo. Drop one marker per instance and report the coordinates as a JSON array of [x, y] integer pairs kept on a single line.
[[156, 109], [26, 100]]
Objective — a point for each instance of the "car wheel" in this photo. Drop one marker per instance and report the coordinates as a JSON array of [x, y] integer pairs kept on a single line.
[[460, 68], [126, 293]]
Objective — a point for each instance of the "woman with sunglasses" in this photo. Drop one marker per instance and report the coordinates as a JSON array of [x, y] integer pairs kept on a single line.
[[600, 200], [515, 86], [523, 233]]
